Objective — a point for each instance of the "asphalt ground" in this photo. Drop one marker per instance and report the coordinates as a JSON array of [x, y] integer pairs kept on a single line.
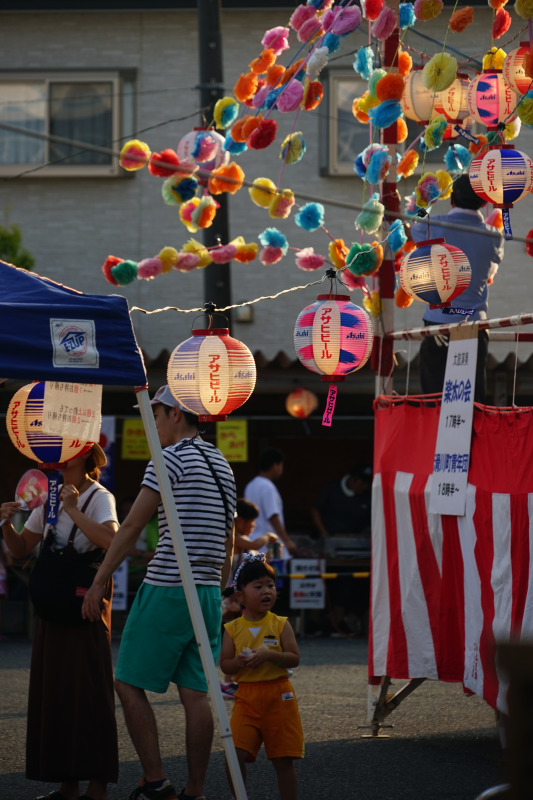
[[443, 745]]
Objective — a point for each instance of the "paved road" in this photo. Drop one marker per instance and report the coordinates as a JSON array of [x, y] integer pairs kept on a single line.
[[443, 747]]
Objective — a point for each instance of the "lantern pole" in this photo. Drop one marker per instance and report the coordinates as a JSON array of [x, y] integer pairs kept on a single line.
[[217, 280], [191, 595], [382, 352]]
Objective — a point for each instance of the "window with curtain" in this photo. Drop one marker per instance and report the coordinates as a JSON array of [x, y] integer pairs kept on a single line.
[[88, 109]]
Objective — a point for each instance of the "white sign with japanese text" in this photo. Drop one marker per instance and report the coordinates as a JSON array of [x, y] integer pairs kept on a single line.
[[452, 452], [308, 592], [73, 409]]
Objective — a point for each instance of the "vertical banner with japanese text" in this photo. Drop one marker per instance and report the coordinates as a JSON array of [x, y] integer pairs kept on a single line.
[[452, 452]]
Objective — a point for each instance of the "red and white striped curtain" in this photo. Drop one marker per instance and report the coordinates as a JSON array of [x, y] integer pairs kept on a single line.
[[446, 589]]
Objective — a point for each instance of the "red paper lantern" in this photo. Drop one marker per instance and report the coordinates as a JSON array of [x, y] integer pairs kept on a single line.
[[300, 403]]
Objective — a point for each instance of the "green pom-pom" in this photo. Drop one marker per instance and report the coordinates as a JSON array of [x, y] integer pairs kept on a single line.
[[493, 137], [125, 272], [374, 78], [361, 259]]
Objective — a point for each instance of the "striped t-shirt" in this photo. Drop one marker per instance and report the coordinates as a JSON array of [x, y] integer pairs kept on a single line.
[[201, 511]]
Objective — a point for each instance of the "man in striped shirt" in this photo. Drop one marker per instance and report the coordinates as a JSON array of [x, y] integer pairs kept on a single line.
[[158, 644]]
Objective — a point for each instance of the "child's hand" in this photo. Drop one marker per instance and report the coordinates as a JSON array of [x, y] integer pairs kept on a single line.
[[257, 658], [242, 658]]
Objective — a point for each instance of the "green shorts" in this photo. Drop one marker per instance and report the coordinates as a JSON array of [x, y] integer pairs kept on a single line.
[[158, 645]]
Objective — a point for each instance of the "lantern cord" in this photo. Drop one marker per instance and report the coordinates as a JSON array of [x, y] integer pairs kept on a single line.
[[515, 364], [408, 369]]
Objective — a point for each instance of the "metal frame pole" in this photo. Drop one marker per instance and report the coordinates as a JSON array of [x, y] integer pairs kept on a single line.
[[191, 594]]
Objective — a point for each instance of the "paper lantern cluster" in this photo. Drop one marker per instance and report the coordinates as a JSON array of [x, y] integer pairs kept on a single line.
[[333, 337], [24, 425], [435, 273], [211, 373]]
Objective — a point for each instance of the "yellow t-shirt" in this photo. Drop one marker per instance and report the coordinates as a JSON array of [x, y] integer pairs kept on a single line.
[[265, 632]]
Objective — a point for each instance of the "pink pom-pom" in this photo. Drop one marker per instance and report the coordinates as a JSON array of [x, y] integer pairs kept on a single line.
[[300, 15], [187, 261], [327, 19], [223, 254], [385, 24], [308, 260], [149, 268], [343, 22], [290, 99], [352, 281], [276, 39], [502, 23], [270, 255], [259, 97], [205, 148], [309, 29]]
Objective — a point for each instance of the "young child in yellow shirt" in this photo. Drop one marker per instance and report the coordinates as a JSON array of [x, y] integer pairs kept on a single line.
[[257, 649]]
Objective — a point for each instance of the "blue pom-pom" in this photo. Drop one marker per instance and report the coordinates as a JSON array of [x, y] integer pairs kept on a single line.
[[359, 167], [332, 42], [310, 217], [407, 15], [457, 158], [198, 143], [301, 76], [274, 238], [397, 237], [229, 115], [376, 166], [187, 188], [363, 62], [233, 147], [272, 96], [385, 114]]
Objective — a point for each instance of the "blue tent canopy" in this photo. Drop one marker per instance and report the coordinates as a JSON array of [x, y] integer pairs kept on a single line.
[[51, 332]]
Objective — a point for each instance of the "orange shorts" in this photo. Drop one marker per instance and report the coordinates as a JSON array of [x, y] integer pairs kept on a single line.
[[267, 711]]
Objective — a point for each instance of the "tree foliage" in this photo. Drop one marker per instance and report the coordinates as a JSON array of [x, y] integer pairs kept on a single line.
[[11, 249]]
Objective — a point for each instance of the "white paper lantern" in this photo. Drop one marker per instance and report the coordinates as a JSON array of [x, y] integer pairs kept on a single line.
[[502, 176], [417, 100], [452, 101], [490, 100], [435, 273], [513, 72]]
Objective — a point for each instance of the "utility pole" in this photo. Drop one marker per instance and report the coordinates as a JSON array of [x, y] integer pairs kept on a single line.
[[217, 280]]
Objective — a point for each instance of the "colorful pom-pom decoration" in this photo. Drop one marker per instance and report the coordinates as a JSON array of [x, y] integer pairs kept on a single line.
[[461, 19], [363, 62], [149, 268], [402, 130], [390, 87], [272, 237], [502, 176], [203, 215], [405, 63], [457, 158], [293, 148], [262, 191], [386, 114], [428, 190], [440, 71], [445, 184], [397, 237], [134, 155], [263, 62], [246, 252], [371, 217], [225, 112], [223, 254], [270, 255], [337, 252], [371, 9], [378, 167], [434, 133], [226, 178], [376, 75], [529, 244], [427, 9], [495, 219], [246, 87], [124, 272], [408, 164], [310, 217], [494, 58], [193, 246], [490, 100], [333, 337], [291, 97], [374, 304], [276, 39], [402, 299], [178, 190], [302, 14], [342, 22], [281, 205], [501, 24], [109, 263], [263, 135], [232, 147], [435, 273], [364, 259], [524, 9], [525, 109], [386, 23], [513, 69], [308, 260], [166, 163], [407, 15], [185, 212], [312, 96], [310, 30], [169, 258], [332, 42], [187, 262], [316, 62]]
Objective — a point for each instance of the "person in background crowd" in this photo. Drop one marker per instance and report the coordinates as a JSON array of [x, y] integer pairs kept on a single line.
[[344, 507], [158, 644], [484, 254], [71, 727], [263, 493], [5, 561]]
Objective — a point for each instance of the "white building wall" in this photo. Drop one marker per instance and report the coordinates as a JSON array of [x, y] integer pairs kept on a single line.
[[72, 224]]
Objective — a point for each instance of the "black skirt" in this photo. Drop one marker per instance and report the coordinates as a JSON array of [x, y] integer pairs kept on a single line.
[[72, 732]]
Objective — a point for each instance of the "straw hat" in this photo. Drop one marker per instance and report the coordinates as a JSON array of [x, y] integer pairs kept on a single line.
[[99, 457]]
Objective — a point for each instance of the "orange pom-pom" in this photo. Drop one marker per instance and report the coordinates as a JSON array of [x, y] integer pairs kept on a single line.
[[338, 252], [401, 298], [497, 3], [527, 65], [390, 87], [401, 130], [250, 125], [475, 148], [358, 114], [461, 19], [219, 183], [290, 71], [405, 63], [263, 62], [408, 164], [237, 130], [313, 94], [501, 24], [274, 74], [246, 87], [409, 246]]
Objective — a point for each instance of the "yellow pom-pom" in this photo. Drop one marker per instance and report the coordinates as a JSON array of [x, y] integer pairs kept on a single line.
[[440, 72], [524, 8], [192, 246], [262, 192], [169, 258], [245, 252], [134, 155], [366, 102], [494, 58], [373, 304], [445, 183], [281, 204], [225, 112], [337, 253], [512, 129], [525, 110]]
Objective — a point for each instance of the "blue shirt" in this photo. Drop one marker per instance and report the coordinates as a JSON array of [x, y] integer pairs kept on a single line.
[[483, 252]]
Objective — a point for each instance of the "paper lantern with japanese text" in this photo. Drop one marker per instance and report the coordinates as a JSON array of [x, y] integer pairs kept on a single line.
[[435, 273], [194, 145], [417, 100], [502, 176], [211, 373], [24, 425], [301, 402], [490, 100], [513, 72], [333, 337], [452, 101]]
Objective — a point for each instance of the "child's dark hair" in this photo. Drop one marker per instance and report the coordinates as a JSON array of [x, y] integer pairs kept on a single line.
[[251, 571], [246, 509]]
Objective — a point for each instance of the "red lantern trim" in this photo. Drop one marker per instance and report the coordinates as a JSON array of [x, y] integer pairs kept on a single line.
[[61, 465], [333, 297], [430, 241], [440, 305], [211, 332], [212, 417], [334, 378]]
